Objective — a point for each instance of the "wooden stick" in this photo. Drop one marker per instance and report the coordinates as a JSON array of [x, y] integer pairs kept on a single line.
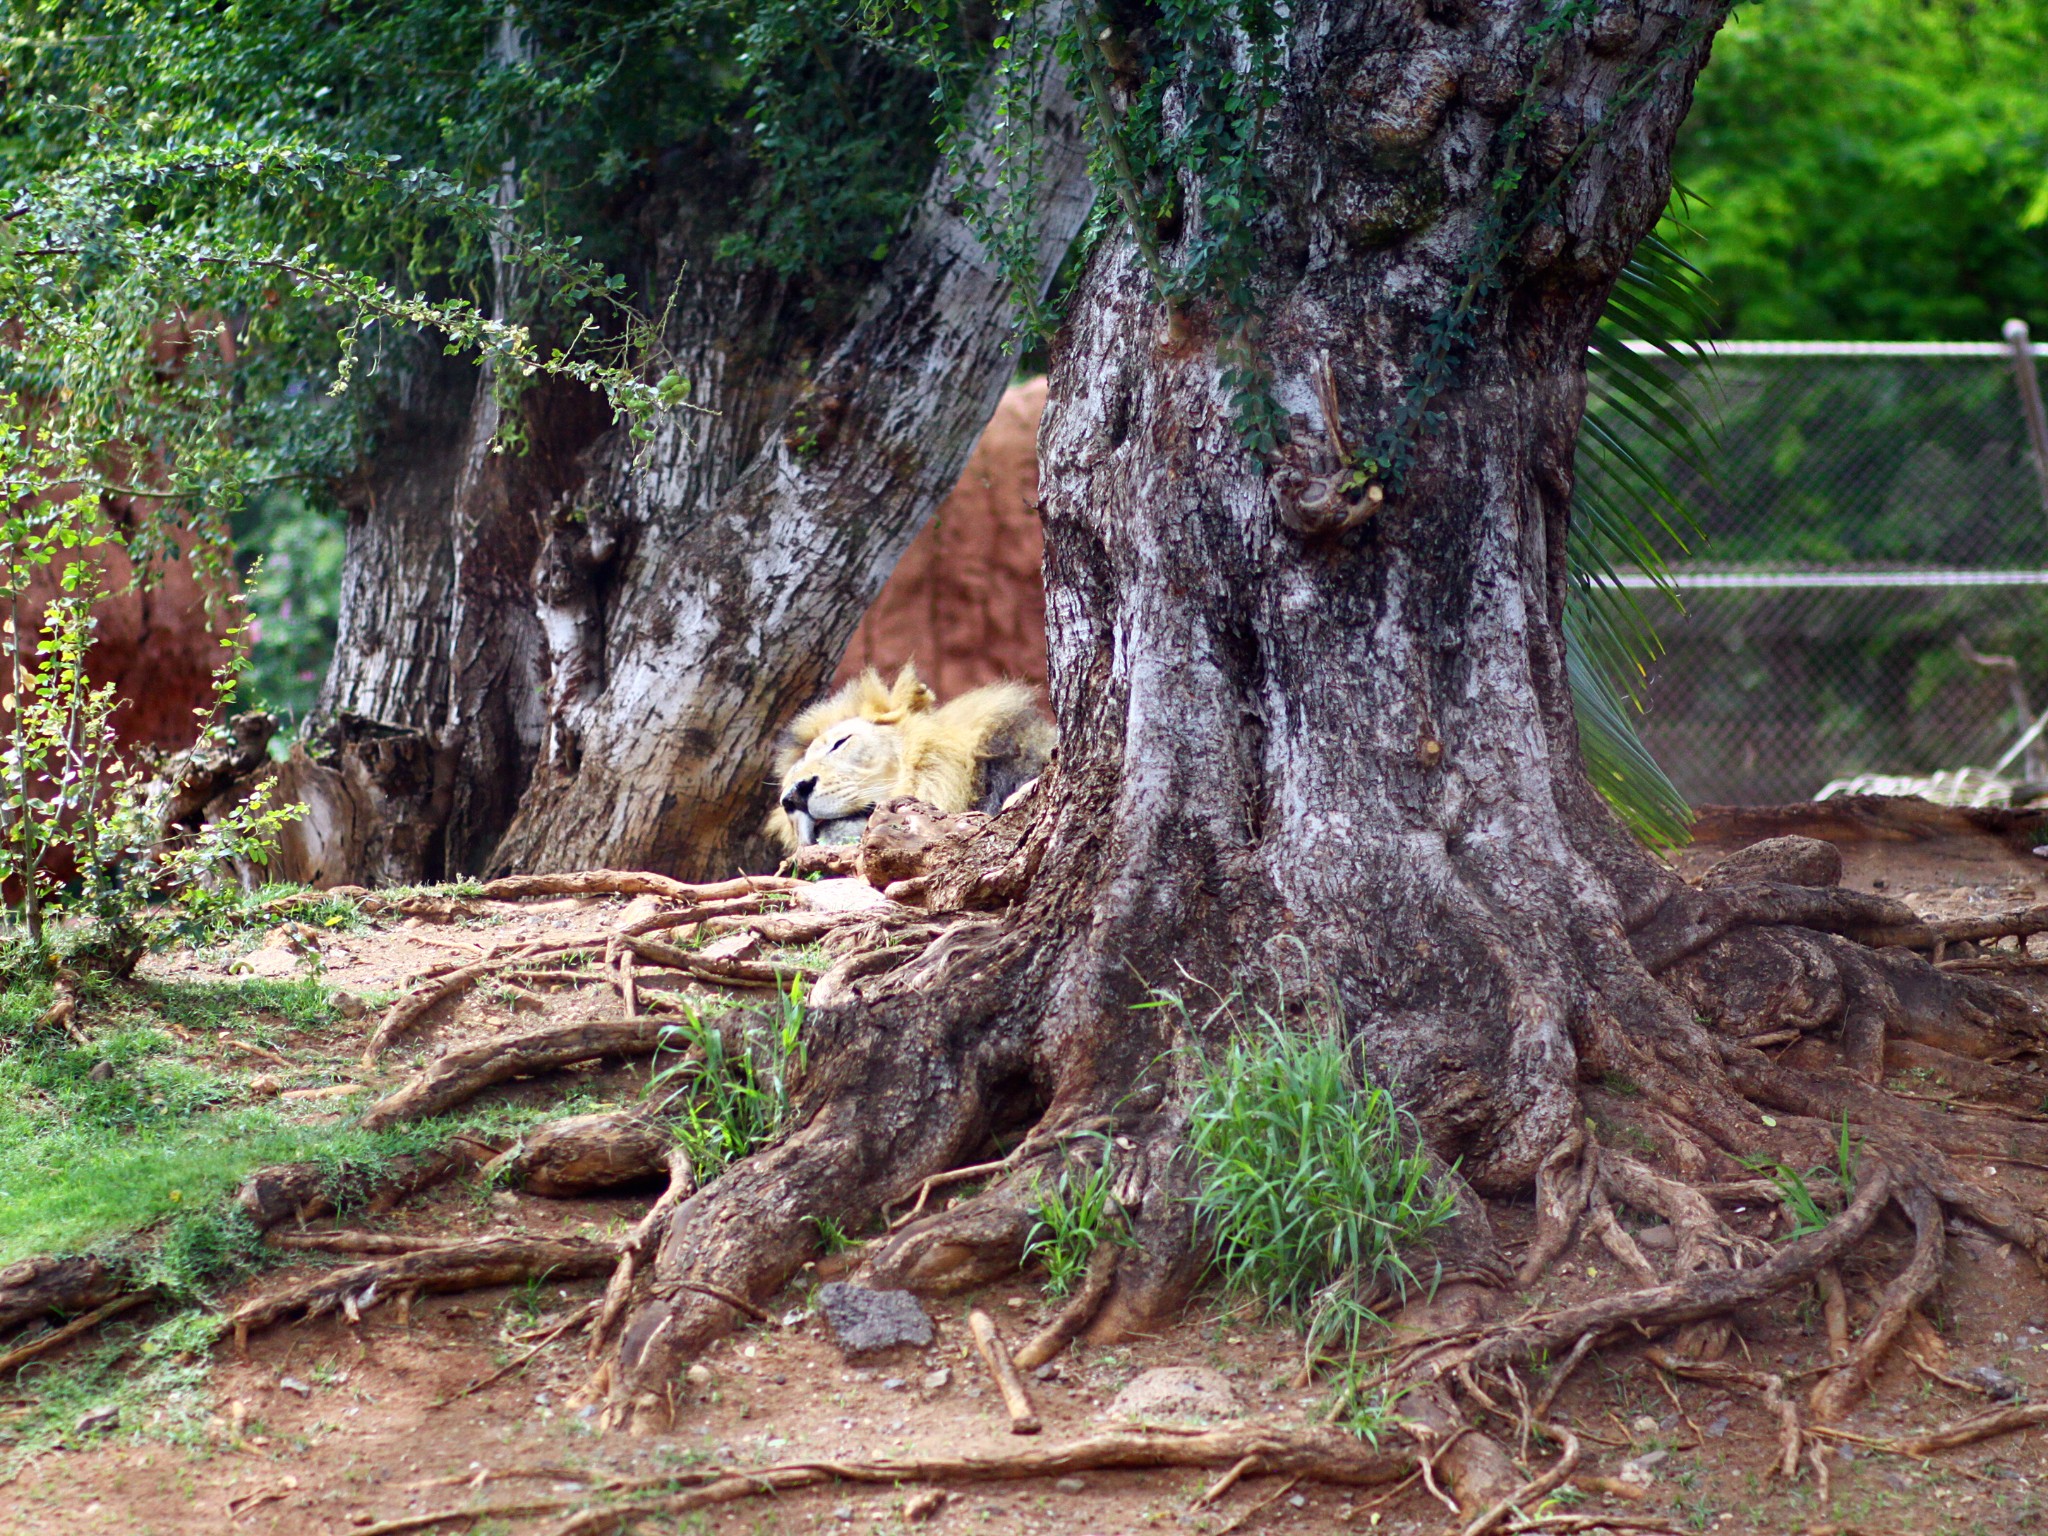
[[989, 1344]]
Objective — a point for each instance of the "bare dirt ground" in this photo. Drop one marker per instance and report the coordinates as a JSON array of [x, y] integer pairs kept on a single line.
[[347, 1427]]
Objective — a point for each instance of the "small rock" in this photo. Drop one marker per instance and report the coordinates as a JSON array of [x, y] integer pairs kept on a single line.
[[843, 1512], [1050, 1371], [350, 1006], [1642, 1424], [1298, 1501], [264, 1086], [1071, 1485], [102, 1071], [892, 1384], [699, 1375], [96, 1420], [1657, 1238], [1641, 1470], [934, 1380], [1714, 1429], [863, 1321], [922, 1506], [792, 1319], [293, 1384], [1178, 1392], [1997, 1386]]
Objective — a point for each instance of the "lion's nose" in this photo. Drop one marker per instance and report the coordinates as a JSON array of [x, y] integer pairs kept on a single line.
[[798, 795]]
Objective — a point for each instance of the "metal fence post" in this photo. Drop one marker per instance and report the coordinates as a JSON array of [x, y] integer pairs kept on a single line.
[[2030, 400]]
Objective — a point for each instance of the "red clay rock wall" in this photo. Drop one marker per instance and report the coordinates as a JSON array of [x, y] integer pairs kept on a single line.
[[155, 646], [967, 601]]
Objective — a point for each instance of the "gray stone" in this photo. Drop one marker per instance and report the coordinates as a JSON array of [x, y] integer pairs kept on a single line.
[[1178, 1392], [863, 1321], [1071, 1485], [1997, 1386], [935, 1380], [95, 1420]]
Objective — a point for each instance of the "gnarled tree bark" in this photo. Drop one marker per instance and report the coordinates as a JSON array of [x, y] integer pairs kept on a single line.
[[1342, 766], [578, 655]]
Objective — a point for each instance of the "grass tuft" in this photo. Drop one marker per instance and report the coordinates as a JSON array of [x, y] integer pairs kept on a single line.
[[1312, 1186], [730, 1092], [1076, 1216]]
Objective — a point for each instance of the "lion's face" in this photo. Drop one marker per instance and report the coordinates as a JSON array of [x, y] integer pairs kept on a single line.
[[844, 774]]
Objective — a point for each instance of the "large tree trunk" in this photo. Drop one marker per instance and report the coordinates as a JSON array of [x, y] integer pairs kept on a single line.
[[1347, 762], [1339, 768], [579, 654]]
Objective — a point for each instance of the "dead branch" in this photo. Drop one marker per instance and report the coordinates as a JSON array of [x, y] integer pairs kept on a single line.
[[458, 1076], [63, 1010], [464, 1266], [989, 1345]]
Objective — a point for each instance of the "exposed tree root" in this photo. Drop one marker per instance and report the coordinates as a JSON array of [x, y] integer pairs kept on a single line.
[[304, 1191], [1328, 1456], [358, 1242], [725, 973], [457, 1076], [618, 882], [439, 986], [584, 1153], [1078, 1313], [57, 1338], [32, 1287], [1836, 1393], [464, 1266]]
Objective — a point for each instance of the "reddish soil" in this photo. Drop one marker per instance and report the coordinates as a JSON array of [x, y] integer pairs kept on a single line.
[[331, 1428]]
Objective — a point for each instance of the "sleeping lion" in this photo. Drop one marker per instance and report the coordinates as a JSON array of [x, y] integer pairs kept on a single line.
[[869, 742]]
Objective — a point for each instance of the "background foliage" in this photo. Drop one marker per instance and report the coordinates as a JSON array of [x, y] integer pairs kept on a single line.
[[1874, 169]]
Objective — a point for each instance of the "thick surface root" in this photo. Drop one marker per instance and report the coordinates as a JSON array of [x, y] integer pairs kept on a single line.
[[1322, 1455], [461, 1266]]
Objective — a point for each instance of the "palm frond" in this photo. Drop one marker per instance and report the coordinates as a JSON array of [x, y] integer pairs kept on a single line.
[[1642, 415]]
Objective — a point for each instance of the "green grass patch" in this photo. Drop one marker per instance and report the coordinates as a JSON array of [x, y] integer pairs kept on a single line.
[[1312, 1185], [1076, 1215]]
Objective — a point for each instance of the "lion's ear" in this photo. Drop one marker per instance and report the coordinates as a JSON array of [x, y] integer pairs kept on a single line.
[[909, 696]]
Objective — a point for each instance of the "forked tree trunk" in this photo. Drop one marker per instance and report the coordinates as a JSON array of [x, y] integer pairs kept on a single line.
[[579, 654], [1344, 763]]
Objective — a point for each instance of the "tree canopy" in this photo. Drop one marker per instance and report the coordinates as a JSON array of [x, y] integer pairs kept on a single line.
[[1873, 169]]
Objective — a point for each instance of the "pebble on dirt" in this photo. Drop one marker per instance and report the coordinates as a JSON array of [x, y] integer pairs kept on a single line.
[[863, 1321]]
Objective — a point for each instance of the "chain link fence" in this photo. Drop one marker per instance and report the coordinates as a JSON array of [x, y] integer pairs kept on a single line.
[[1870, 595]]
